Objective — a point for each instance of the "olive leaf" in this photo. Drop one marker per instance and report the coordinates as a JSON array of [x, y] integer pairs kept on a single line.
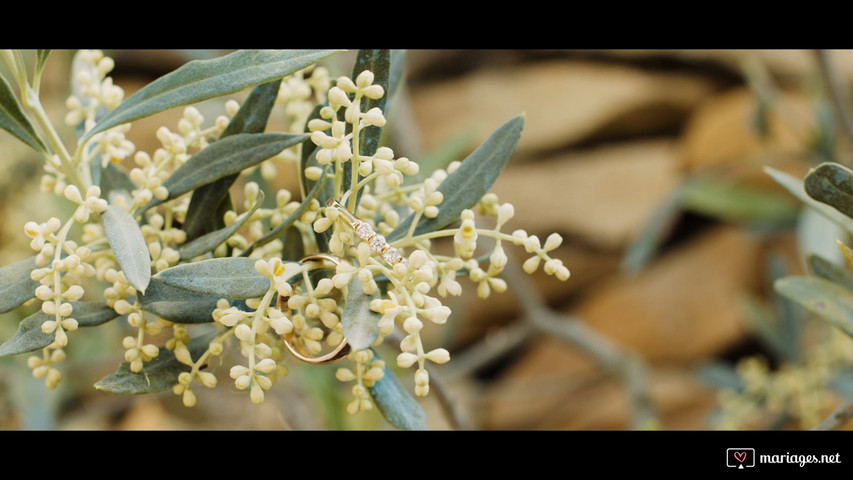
[[451, 149], [718, 198], [654, 232], [396, 403], [41, 60], [309, 151], [178, 305], [128, 245], [252, 117], [464, 187], [294, 246], [360, 323], [113, 180], [29, 337], [826, 299], [203, 79], [159, 374], [281, 227], [16, 286], [379, 63], [13, 120], [395, 75], [233, 277], [225, 157], [832, 184], [796, 188], [823, 268], [210, 241]]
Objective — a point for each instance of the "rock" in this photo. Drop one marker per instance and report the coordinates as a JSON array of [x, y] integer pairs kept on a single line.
[[786, 65], [721, 131], [686, 307], [555, 387], [473, 318], [604, 196], [566, 102]]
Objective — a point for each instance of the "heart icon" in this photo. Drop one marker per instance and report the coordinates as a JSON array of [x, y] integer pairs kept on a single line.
[[740, 456]]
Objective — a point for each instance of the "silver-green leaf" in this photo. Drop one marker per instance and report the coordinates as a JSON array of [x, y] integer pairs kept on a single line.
[[178, 305], [203, 79], [233, 277], [128, 245], [159, 374], [203, 213], [795, 186], [360, 323], [824, 298], [225, 157], [281, 227], [29, 337], [379, 63], [13, 120], [41, 60], [832, 184], [16, 286], [823, 268], [715, 197], [396, 403], [465, 187], [113, 180], [210, 241]]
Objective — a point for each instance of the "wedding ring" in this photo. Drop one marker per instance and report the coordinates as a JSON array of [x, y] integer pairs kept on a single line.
[[342, 350], [364, 231]]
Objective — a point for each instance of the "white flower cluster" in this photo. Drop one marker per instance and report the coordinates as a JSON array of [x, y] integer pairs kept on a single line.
[[60, 277], [259, 332], [93, 88], [411, 285], [802, 392], [403, 279]]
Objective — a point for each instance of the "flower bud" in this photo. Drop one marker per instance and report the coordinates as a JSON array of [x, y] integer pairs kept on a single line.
[[421, 377], [531, 264], [44, 293], [73, 193], [344, 375], [242, 382], [412, 325], [243, 332], [505, 212], [406, 360], [266, 365], [439, 355]]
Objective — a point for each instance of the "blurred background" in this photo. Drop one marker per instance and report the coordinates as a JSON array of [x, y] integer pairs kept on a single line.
[[648, 163]]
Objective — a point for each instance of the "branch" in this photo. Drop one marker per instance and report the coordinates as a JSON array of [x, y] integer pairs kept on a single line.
[[627, 367], [493, 346], [438, 384]]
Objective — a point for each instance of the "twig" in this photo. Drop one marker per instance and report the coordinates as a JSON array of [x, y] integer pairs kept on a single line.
[[438, 384], [627, 367], [448, 402], [493, 346], [838, 92]]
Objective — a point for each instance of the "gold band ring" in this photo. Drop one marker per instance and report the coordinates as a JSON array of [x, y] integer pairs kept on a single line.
[[342, 350]]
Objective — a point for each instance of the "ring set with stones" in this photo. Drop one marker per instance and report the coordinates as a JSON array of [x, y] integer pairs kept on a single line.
[[365, 232]]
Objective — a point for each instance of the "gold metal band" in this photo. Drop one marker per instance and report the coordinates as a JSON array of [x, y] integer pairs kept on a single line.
[[341, 351]]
